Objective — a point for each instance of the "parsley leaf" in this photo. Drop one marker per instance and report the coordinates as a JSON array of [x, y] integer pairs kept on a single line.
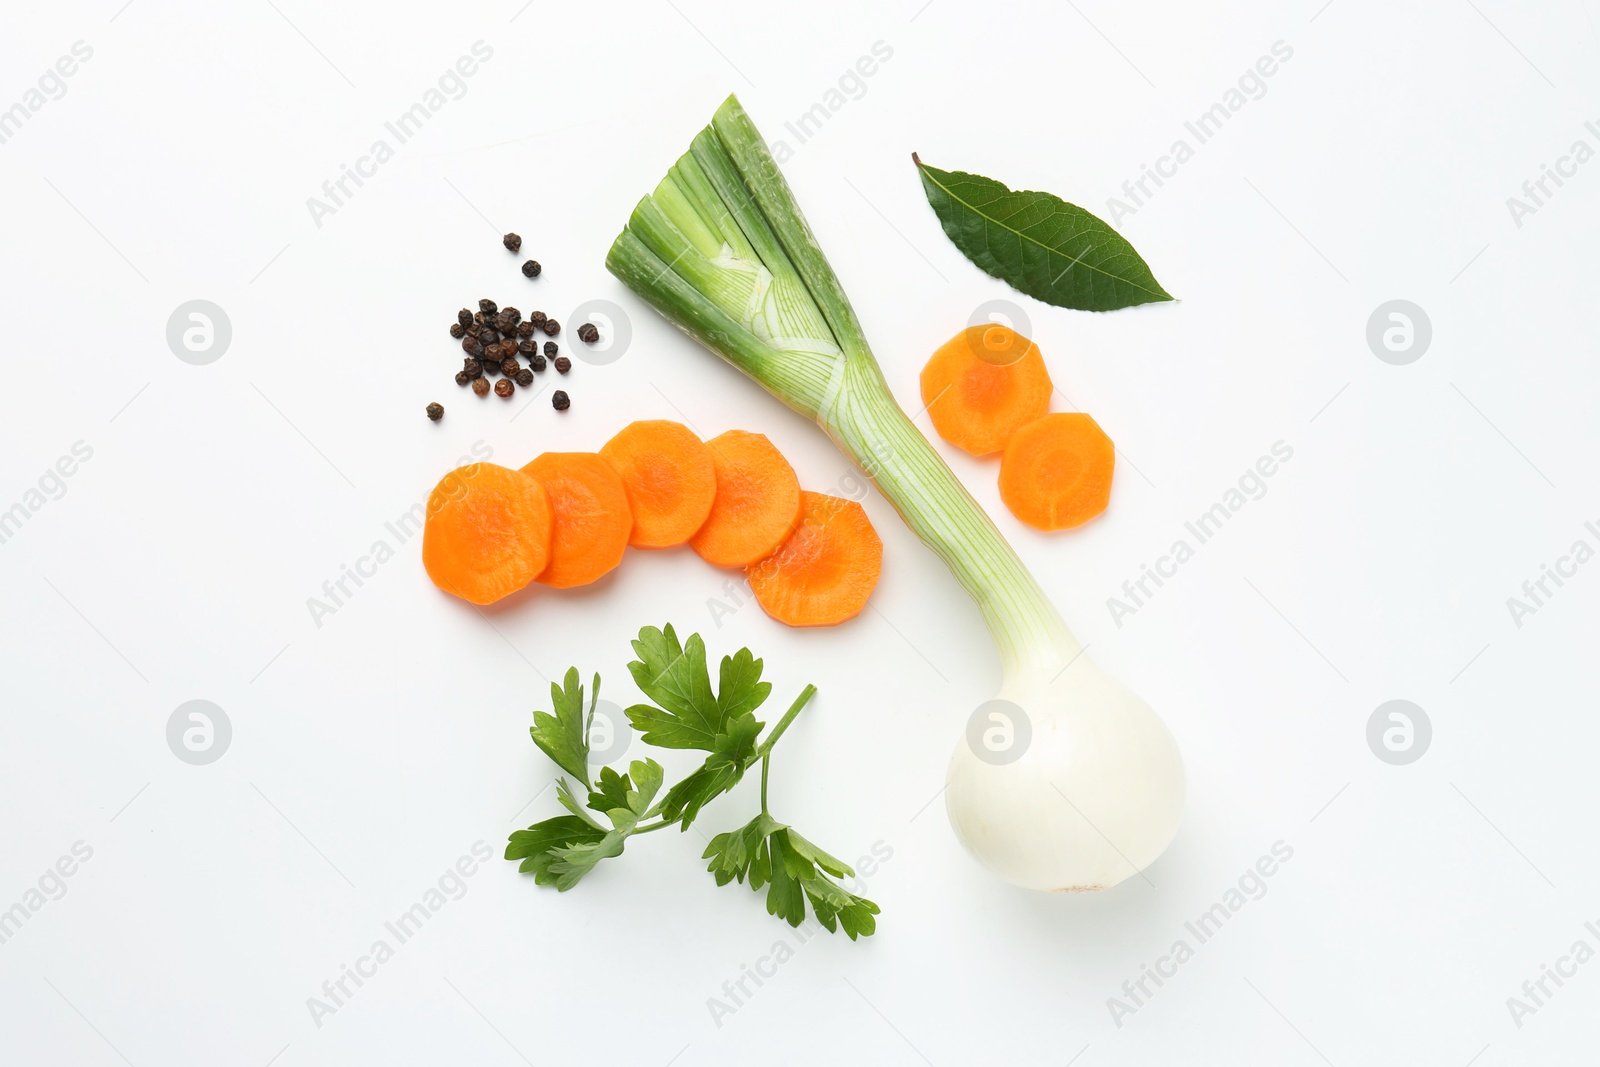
[[688, 714], [564, 737], [611, 791], [739, 685], [569, 863], [742, 852], [536, 845], [732, 753], [769, 853], [562, 850]]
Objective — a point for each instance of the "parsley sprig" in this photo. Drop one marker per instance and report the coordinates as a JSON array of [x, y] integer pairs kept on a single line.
[[684, 713]]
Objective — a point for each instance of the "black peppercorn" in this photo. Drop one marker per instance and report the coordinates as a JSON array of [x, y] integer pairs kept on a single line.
[[552, 349], [527, 348], [552, 327], [531, 269], [457, 330], [472, 346], [464, 317], [588, 334], [472, 368], [509, 367], [507, 320], [487, 306], [489, 336], [525, 328], [560, 401], [537, 362], [491, 366], [525, 377], [511, 241], [504, 387], [463, 378], [563, 364], [480, 386], [435, 412], [538, 318], [477, 317]]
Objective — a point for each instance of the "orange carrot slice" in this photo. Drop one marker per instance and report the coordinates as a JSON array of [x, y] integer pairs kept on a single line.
[[826, 570], [591, 520], [1056, 472], [670, 478], [757, 504], [982, 385], [487, 533]]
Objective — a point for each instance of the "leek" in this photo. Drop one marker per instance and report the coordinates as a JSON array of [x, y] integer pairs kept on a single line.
[[721, 249]]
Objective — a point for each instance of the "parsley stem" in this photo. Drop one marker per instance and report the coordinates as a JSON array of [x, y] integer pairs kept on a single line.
[[765, 751], [783, 724], [766, 764], [651, 826]]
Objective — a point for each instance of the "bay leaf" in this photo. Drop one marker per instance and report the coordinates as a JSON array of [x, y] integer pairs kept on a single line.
[[1038, 243]]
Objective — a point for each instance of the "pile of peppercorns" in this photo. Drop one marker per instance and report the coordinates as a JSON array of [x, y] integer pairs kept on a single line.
[[493, 337]]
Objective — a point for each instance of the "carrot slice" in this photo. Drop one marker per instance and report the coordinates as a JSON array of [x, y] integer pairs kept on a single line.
[[826, 570], [1056, 472], [982, 385], [487, 533], [670, 478], [757, 504], [591, 516]]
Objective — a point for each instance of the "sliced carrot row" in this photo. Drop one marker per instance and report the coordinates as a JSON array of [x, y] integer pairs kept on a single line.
[[565, 518], [987, 390]]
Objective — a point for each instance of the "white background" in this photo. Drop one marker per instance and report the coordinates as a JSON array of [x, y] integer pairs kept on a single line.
[[371, 752]]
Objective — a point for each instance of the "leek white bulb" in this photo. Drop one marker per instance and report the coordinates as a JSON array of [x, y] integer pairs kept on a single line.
[[1065, 785]]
